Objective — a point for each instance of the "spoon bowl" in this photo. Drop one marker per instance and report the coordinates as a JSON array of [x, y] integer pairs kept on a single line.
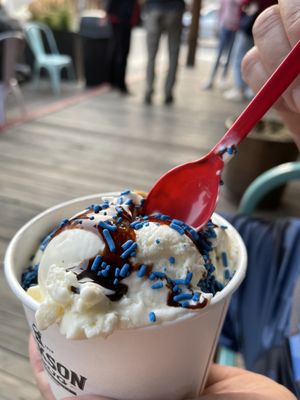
[[189, 192]]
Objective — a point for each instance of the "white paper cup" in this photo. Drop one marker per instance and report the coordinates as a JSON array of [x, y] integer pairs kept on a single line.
[[157, 362]]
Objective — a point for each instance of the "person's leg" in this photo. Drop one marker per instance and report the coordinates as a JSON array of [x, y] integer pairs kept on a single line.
[[124, 48], [243, 43], [112, 57], [122, 36], [2, 103], [154, 30], [229, 43], [223, 38], [174, 27]]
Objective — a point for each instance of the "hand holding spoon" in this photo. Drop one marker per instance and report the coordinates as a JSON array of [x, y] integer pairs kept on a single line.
[[189, 192]]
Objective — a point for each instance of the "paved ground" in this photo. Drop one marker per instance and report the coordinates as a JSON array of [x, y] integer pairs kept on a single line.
[[100, 143]]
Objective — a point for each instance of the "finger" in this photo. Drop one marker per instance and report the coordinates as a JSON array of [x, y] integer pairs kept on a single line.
[[290, 11], [270, 38], [34, 356], [88, 397], [255, 74], [219, 373], [273, 45]]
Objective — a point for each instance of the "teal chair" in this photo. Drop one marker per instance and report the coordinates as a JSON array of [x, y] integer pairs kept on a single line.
[[266, 182], [53, 62]]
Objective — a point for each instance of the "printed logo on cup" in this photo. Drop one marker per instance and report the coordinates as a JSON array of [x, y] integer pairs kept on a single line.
[[62, 375]]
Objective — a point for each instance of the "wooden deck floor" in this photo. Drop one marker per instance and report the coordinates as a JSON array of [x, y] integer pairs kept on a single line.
[[101, 144]]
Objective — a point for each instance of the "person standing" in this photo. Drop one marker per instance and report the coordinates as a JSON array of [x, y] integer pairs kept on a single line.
[[163, 16], [243, 43], [229, 22], [123, 15]]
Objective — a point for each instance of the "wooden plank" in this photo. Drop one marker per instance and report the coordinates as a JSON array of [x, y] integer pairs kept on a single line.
[[15, 365], [17, 389]]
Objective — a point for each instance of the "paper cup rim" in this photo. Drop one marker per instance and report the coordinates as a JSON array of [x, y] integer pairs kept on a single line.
[[30, 303]]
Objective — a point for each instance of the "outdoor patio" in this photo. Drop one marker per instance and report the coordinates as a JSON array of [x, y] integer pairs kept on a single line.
[[83, 143]]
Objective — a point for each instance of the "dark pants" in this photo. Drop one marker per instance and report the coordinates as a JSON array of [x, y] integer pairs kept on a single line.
[[119, 52]]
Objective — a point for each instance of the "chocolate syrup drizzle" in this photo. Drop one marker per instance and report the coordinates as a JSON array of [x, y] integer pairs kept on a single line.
[[123, 233]]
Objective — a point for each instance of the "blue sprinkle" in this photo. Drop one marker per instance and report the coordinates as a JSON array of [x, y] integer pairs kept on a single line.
[[177, 228], [224, 227], [136, 225], [119, 210], [96, 263], [103, 264], [120, 200], [152, 276], [172, 260], [133, 254], [117, 272], [178, 222], [142, 271], [96, 208], [104, 273], [157, 241], [227, 274], [119, 220], [107, 225], [159, 274], [64, 222], [224, 258], [128, 251], [109, 240], [91, 217], [45, 242], [104, 205], [196, 297], [152, 316], [116, 281], [188, 278], [127, 244], [124, 270], [183, 296], [185, 304], [179, 281], [230, 150], [107, 268], [206, 245], [129, 202], [176, 289], [157, 285], [125, 193]]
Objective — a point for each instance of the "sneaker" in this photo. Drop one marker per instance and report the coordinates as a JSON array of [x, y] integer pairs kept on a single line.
[[248, 93], [148, 99], [234, 95], [208, 86], [169, 100]]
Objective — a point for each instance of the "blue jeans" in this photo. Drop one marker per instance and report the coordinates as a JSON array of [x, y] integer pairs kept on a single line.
[[226, 40], [243, 43]]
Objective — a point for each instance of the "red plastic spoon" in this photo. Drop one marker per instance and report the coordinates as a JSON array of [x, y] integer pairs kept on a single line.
[[189, 191]]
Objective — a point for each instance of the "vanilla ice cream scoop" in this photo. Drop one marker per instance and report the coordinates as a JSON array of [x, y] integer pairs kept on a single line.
[[108, 267]]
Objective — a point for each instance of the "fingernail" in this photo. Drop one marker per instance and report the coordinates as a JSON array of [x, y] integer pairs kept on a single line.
[[296, 98]]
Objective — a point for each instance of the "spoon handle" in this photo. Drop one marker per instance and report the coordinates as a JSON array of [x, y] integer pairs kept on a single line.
[[278, 82]]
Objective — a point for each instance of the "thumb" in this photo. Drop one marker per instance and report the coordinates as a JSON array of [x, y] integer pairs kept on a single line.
[[88, 397]]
